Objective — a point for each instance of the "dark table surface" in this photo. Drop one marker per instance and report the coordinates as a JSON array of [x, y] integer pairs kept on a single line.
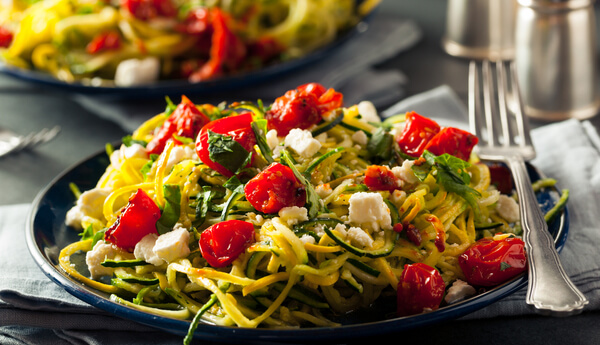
[[26, 107]]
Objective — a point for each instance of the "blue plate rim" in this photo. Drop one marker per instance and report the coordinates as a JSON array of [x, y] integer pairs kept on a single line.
[[234, 334]]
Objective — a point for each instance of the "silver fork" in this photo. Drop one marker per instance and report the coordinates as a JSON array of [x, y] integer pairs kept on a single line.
[[504, 136], [11, 142]]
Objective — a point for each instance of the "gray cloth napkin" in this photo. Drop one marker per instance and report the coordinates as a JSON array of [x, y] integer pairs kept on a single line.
[[32, 307], [349, 69]]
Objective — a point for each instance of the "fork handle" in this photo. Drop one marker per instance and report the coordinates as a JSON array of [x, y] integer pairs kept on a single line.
[[550, 291]]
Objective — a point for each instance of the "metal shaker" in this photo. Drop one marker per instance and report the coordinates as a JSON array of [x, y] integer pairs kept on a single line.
[[480, 29], [555, 57]]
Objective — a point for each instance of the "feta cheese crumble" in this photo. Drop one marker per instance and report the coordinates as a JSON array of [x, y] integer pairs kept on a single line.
[[94, 258], [293, 215], [302, 141], [508, 208], [459, 291], [144, 250], [172, 245], [369, 208], [133, 72], [89, 204]]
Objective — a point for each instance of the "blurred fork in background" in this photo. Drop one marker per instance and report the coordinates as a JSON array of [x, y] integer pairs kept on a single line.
[[503, 132], [11, 142]]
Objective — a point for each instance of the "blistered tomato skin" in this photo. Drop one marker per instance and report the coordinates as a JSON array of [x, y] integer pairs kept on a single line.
[[185, 121], [490, 262], [223, 242], [421, 288], [379, 177], [417, 132], [137, 220], [238, 127], [274, 188], [454, 141], [302, 107]]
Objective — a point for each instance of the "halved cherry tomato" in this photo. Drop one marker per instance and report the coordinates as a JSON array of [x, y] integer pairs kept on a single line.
[[492, 261], [417, 132], [227, 51], [454, 141], [302, 107], [136, 220], [421, 288], [149, 9], [223, 242], [378, 177], [105, 41], [185, 121], [6, 37], [274, 188], [238, 127]]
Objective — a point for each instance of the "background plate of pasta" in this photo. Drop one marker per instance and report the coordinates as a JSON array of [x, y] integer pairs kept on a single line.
[[303, 219], [132, 46]]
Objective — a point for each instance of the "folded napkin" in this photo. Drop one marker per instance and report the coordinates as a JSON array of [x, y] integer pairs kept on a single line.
[[34, 307], [349, 69]]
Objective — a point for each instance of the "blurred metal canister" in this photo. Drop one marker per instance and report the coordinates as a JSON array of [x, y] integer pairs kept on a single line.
[[555, 57], [480, 29]]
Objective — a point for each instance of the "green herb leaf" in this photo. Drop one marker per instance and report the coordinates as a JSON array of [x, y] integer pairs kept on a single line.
[[235, 185], [170, 213], [145, 170], [260, 131], [504, 266], [170, 106], [380, 145], [224, 150], [312, 198], [204, 199]]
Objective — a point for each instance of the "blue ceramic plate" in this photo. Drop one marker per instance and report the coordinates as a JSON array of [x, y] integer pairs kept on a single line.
[[47, 234], [180, 86]]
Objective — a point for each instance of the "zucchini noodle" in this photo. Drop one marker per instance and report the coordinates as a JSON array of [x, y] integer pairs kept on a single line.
[[304, 268]]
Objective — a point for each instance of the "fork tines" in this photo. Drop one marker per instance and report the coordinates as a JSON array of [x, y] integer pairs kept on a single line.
[[495, 106]]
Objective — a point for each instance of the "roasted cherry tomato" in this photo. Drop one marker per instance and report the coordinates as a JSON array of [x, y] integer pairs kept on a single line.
[[454, 141], [417, 132], [501, 177], [227, 51], [185, 121], [149, 9], [492, 261], [421, 288], [136, 220], [274, 188], [378, 177], [238, 127], [105, 41], [302, 107], [223, 242], [6, 37]]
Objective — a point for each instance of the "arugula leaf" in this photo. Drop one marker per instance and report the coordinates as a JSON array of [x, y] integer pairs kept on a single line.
[[224, 150], [312, 198], [260, 129], [170, 213], [380, 145], [451, 174]]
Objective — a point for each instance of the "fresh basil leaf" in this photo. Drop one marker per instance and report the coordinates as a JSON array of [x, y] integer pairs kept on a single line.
[[204, 199], [98, 236], [224, 150], [504, 266], [312, 198], [260, 131], [87, 233], [380, 145], [170, 213], [183, 140], [235, 185], [145, 170]]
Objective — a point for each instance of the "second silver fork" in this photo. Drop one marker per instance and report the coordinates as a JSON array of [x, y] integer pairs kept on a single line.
[[504, 136]]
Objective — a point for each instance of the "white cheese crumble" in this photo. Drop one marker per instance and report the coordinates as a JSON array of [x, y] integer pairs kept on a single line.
[[359, 237], [172, 245], [306, 238], [272, 139], [369, 208], [508, 208], [89, 204], [144, 250], [405, 172], [178, 154], [368, 112], [323, 190], [133, 72], [302, 142], [459, 291], [360, 137], [99, 254], [293, 214]]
